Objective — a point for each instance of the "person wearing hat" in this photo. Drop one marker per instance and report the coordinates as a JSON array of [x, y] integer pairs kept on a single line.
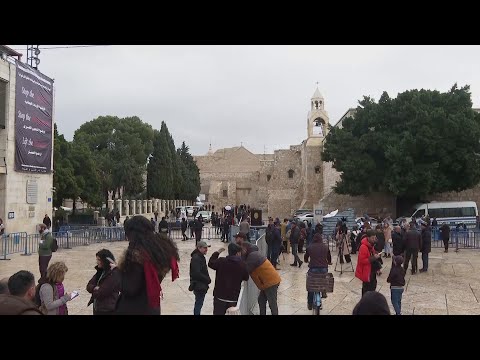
[[396, 278], [368, 263], [426, 246], [199, 277]]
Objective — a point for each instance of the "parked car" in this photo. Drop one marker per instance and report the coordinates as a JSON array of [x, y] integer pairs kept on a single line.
[[373, 222], [206, 216], [307, 218], [302, 211]]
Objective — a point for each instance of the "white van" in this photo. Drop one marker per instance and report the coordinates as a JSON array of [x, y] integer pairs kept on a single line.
[[457, 212]]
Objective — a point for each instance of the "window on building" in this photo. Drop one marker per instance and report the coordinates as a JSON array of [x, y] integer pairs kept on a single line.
[[317, 169], [3, 103], [225, 193], [290, 174], [269, 177]]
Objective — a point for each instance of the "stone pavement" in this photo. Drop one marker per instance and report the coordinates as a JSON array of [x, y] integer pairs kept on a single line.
[[451, 286]]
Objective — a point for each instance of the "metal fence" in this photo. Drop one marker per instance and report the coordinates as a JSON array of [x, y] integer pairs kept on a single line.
[[208, 233], [27, 244], [460, 239]]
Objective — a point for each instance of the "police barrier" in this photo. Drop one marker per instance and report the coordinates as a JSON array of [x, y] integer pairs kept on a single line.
[[27, 244]]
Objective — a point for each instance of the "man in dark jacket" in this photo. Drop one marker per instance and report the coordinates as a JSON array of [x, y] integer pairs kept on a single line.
[[413, 243], [398, 241], [198, 226], [276, 244], [269, 238], [294, 238], [231, 271], [199, 277], [21, 286], [320, 257], [183, 226], [47, 221], [163, 226], [426, 245], [445, 234]]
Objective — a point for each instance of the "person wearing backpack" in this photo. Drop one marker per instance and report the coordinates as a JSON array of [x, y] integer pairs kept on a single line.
[[53, 298], [44, 250]]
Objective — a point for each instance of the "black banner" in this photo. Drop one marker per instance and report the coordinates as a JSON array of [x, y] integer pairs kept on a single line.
[[33, 120]]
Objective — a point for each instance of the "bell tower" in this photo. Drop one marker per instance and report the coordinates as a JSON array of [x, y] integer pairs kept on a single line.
[[317, 120]]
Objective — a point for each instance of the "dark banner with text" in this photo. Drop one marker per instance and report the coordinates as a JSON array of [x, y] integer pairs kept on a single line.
[[33, 120]]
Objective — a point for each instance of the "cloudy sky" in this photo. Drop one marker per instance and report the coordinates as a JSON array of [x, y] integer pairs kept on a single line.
[[255, 95]]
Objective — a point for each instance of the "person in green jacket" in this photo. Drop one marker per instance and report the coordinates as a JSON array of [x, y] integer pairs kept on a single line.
[[44, 250]]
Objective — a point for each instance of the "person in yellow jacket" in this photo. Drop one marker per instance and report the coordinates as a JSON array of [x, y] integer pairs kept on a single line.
[[265, 277]]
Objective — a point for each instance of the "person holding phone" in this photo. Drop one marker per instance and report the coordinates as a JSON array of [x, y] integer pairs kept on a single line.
[[105, 284], [53, 298]]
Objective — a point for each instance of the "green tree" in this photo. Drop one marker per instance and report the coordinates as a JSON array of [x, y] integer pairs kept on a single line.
[[422, 142], [64, 180], [190, 174], [159, 169], [120, 147]]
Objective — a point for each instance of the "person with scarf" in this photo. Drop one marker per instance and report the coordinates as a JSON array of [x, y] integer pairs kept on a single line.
[[145, 263]]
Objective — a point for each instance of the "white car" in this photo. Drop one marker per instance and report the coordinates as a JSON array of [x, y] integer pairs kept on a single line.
[[308, 217], [206, 216]]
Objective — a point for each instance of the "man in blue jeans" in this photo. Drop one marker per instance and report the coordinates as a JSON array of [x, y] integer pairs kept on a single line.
[[320, 258], [199, 277]]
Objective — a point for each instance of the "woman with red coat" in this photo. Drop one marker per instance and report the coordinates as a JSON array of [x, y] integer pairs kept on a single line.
[[368, 264]]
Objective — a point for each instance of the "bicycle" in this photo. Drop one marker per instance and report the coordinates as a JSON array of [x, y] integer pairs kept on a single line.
[[320, 284]]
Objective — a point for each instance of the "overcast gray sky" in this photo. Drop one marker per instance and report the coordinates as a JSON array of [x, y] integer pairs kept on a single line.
[[258, 95]]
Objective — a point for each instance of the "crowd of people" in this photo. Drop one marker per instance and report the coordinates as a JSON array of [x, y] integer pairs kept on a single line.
[[132, 285]]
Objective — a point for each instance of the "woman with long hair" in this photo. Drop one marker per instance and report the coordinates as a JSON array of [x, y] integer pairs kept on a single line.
[[146, 261], [105, 284], [53, 297]]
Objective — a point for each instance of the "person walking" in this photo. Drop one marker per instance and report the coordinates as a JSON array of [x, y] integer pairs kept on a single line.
[[44, 250], [368, 265], [143, 266], [199, 277]]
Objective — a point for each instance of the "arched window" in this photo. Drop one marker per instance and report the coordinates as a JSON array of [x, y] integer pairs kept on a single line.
[[317, 169], [290, 174], [269, 177]]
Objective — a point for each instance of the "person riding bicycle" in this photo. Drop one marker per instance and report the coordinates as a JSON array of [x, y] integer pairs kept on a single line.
[[320, 258]]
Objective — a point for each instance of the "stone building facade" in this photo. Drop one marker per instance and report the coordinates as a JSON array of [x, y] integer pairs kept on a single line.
[[18, 215], [293, 178], [277, 183]]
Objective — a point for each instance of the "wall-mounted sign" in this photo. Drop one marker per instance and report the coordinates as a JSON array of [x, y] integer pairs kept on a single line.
[[11, 215], [32, 192], [49, 199]]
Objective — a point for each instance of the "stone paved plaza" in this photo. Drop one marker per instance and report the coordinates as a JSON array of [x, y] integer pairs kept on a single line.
[[451, 286]]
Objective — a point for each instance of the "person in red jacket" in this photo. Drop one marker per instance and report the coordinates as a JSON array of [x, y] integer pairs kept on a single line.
[[368, 264]]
